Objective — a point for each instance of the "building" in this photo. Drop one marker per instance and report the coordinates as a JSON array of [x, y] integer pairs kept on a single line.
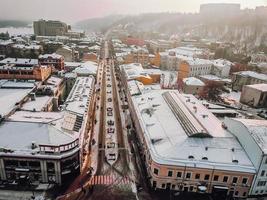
[[28, 50], [137, 55], [51, 144], [180, 141], [254, 95], [239, 79], [68, 53], [23, 69], [6, 47], [193, 67], [55, 60], [49, 28], [221, 68], [135, 71], [192, 85], [90, 57], [172, 59], [252, 136], [161, 45]]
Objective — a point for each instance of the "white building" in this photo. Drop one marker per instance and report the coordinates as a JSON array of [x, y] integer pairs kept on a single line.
[[252, 134], [221, 67]]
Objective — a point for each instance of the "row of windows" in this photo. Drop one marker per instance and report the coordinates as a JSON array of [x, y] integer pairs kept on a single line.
[[188, 175], [190, 188]]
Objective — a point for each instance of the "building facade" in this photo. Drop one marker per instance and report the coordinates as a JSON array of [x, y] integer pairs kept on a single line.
[[252, 136], [254, 95], [49, 28], [239, 79], [181, 158], [55, 60]]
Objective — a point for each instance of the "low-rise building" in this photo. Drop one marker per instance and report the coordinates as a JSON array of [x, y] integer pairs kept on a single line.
[[221, 67], [24, 69], [51, 144], [192, 85], [252, 136], [239, 79], [68, 53], [254, 95], [55, 60], [181, 140]]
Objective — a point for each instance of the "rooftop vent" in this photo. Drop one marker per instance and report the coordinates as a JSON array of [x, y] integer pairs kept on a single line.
[[235, 161], [34, 145], [191, 157], [206, 148], [233, 149], [204, 158], [154, 141]]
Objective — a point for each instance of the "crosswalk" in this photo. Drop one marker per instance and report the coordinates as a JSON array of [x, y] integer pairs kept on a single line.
[[108, 180]]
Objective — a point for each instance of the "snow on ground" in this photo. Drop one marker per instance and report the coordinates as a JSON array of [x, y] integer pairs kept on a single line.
[[232, 97], [17, 31]]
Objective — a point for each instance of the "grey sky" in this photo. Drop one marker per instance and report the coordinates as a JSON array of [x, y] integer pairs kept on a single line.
[[74, 10]]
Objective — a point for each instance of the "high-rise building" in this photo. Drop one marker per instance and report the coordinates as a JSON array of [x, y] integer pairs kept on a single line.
[[49, 28]]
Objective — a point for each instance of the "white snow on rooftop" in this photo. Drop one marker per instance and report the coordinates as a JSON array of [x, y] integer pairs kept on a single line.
[[262, 87], [258, 130], [9, 98], [253, 75], [19, 61], [39, 104], [18, 136], [53, 56], [193, 81], [170, 145]]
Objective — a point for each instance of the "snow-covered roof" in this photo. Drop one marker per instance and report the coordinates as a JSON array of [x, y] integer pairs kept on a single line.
[[193, 81], [252, 74], [41, 117], [19, 61], [22, 46], [258, 130], [134, 70], [19, 136], [87, 68], [18, 84], [39, 104], [53, 56], [187, 51], [221, 63], [9, 98], [262, 87], [169, 142], [6, 42], [80, 94]]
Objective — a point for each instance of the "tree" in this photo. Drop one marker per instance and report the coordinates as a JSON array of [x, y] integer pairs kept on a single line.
[[212, 91]]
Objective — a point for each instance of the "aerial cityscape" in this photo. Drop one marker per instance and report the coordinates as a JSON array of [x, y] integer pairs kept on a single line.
[[142, 100]]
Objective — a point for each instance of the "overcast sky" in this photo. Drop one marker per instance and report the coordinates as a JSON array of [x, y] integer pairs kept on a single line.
[[75, 10]]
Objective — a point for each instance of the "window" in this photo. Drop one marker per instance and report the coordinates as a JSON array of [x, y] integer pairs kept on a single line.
[[179, 174], [173, 186], [163, 185], [236, 193], [197, 176], [234, 180], [266, 161], [261, 183], [207, 177], [244, 194], [188, 175], [216, 178], [262, 172], [225, 179], [244, 180], [170, 173], [156, 171], [191, 188]]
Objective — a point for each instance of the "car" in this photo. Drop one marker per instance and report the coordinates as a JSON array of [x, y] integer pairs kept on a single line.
[[109, 109], [109, 100], [108, 85], [111, 130], [262, 114], [110, 123], [111, 145], [109, 113], [109, 92]]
